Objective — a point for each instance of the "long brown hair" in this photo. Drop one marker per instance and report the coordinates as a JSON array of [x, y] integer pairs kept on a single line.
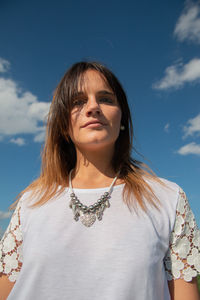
[[59, 154]]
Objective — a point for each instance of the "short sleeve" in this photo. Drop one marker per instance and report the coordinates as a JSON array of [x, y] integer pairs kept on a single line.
[[183, 256], [11, 247]]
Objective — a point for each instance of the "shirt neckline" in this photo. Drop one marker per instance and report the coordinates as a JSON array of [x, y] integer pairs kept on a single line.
[[115, 187]]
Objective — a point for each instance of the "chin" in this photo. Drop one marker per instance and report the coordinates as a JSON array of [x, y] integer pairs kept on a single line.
[[95, 144]]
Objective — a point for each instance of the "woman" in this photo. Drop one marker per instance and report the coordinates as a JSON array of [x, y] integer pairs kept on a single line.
[[98, 224]]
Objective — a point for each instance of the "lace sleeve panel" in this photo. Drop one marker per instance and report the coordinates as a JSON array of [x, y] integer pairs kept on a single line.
[[11, 247], [183, 256]]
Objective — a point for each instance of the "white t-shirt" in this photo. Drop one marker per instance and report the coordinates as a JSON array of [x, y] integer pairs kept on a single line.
[[124, 256]]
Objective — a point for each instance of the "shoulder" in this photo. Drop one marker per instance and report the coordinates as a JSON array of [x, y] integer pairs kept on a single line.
[[168, 193], [27, 198], [164, 186], [23, 205]]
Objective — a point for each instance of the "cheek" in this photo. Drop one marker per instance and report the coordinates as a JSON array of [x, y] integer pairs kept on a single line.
[[116, 117], [73, 124], [72, 129]]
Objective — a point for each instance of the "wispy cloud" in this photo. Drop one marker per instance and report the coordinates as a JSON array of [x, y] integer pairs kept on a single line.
[[18, 141], [192, 127], [178, 74], [166, 128], [4, 65], [188, 24], [39, 137], [186, 28], [5, 214], [191, 148], [21, 112]]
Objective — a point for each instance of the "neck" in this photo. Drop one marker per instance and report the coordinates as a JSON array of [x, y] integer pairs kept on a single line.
[[93, 170]]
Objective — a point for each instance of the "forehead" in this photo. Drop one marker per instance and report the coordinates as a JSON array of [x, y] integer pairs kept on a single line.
[[92, 81]]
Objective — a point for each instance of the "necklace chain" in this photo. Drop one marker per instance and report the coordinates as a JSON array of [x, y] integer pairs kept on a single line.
[[88, 214]]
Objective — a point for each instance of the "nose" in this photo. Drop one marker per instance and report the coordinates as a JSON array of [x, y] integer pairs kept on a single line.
[[92, 106]]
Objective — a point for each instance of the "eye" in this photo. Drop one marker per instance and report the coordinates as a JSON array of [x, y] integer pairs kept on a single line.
[[78, 102], [107, 100]]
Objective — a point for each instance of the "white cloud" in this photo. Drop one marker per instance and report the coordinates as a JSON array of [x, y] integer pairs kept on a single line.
[[191, 148], [21, 112], [177, 75], [192, 127], [40, 136], [4, 65], [166, 128], [5, 215], [188, 24], [18, 141]]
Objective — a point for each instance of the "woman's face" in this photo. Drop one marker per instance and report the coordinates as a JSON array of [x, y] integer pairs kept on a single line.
[[95, 102]]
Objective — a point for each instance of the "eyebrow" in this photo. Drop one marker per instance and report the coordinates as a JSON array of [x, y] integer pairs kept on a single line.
[[103, 92]]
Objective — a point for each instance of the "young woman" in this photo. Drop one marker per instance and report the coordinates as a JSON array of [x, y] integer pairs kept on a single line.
[[97, 224]]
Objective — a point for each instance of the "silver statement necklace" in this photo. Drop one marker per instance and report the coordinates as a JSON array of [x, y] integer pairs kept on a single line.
[[88, 214]]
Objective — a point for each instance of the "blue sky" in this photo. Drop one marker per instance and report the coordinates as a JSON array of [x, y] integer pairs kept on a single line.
[[152, 46]]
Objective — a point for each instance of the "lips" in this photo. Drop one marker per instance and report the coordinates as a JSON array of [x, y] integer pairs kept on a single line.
[[93, 122]]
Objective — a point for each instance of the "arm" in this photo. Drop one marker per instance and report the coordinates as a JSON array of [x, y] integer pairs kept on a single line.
[[182, 290], [5, 287]]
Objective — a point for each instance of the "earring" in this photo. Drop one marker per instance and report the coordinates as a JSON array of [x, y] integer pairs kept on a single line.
[[122, 127]]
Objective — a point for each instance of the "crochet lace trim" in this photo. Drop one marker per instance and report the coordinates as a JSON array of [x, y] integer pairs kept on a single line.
[[183, 256], [11, 248]]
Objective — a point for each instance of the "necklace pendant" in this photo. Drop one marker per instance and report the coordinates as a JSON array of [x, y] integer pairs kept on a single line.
[[88, 219], [99, 213], [107, 203], [74, 208], [76, 215]]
